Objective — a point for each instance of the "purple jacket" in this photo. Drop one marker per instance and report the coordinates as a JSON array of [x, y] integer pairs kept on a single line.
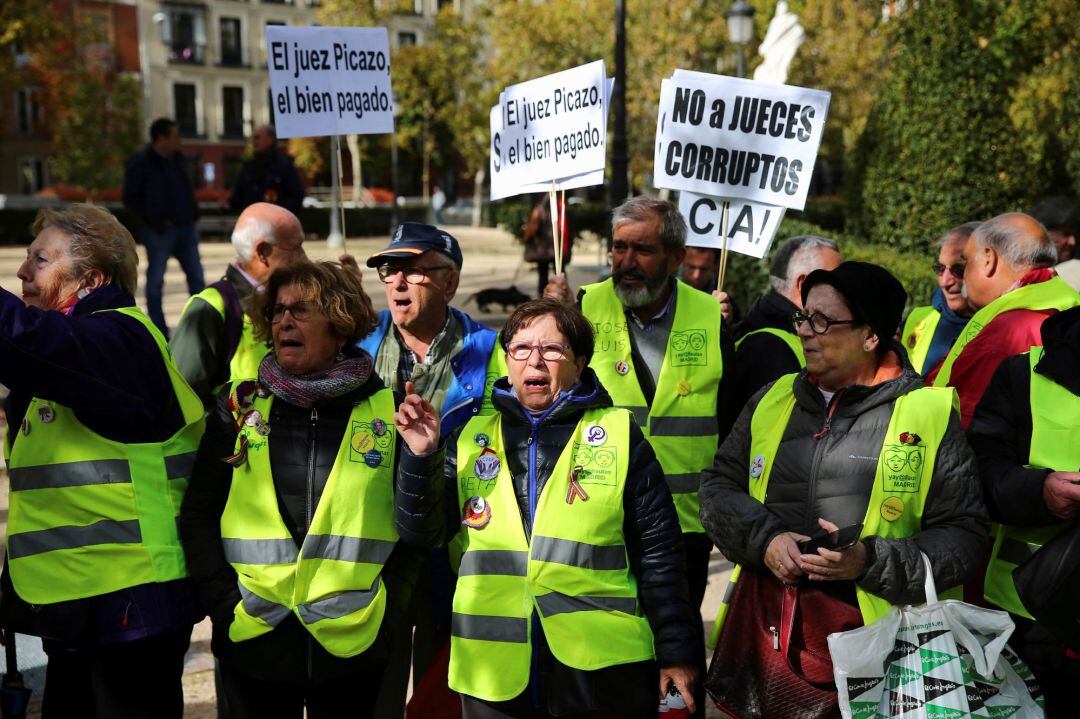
[[108, 370]]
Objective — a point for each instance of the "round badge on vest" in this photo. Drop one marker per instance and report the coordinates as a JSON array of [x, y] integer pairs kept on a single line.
[[622, 368], [378, 427], [373, 458], [481, 440], [363, 442], [476, 513], [263, 429], [683, 388], [252, 418], [892, 509], [595, 435], [757, 466], [487, 465], [25, 426], [46, 413]]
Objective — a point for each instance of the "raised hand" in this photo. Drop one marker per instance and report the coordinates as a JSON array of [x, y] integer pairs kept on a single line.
[[417, 423]]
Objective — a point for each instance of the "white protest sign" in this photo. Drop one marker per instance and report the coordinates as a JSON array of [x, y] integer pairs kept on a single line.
[[726, 137], [330, 80], [550, 128], [751, 225]]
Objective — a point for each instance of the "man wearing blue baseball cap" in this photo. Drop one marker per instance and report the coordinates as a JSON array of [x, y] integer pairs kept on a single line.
[[452, 361]]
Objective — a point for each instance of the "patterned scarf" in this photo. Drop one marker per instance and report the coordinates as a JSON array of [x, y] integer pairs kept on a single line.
[[310, 389]]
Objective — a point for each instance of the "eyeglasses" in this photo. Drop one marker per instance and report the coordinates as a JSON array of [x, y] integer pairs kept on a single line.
[[956, 269], [819, 323], [550, 351], [299, 311], [413, 275]]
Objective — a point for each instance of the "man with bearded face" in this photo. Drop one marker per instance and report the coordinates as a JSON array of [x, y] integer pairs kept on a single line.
[[658, 353]]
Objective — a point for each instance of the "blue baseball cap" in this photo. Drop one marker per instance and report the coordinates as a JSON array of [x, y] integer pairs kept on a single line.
[[412, 239]]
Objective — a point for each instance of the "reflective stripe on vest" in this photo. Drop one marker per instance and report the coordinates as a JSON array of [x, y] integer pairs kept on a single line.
[[789, 338], [575, 574], [89, 515], [901, 481], [681, 422], [1053, 294], [332, 583], [245, 361], [918, 335], [1055, 445]]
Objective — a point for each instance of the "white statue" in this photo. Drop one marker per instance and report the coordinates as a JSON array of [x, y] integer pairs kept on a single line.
[[781, 42]]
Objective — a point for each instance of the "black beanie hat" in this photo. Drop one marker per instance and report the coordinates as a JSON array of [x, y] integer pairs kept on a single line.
[[872, 293]]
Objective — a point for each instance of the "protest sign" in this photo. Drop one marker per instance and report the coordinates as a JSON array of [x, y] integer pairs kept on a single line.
[[550, 128], [751, 225], [726, 137], [329, 80]]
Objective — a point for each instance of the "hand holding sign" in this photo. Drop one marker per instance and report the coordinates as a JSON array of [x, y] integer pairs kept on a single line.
[[417, 422]]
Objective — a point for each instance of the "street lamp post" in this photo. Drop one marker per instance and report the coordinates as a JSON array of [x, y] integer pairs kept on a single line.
[[395, 218], [740, 22], [619, 153]]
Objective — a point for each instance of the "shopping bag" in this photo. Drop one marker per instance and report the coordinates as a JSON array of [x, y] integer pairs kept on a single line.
[[943, 660]]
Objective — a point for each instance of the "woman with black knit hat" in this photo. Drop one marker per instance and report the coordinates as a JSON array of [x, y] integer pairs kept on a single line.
[[853, 443]]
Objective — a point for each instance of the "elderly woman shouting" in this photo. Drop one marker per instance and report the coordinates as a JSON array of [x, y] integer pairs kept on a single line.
[[289, 522], [571, 597], [102, 430], [852, 443]]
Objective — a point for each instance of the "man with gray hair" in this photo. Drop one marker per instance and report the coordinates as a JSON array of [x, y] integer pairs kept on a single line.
[[658, 353], [1009, 280], [214, 343], [930, 331], [766, 346]]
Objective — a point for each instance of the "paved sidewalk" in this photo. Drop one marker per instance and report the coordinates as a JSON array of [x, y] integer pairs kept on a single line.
[[492, 259]]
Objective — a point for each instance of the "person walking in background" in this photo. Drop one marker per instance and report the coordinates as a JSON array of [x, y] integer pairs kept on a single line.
[[539, 245], [269, 176], [157, 190], [930, 331], [438, 202]]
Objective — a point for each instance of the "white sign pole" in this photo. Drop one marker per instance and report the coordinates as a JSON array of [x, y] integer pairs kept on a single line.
[[724, 248], [553, 206], [335, 238]]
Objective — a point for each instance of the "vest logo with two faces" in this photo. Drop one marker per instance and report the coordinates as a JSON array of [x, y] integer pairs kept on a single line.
[[597, 464], [901, 467], [689, 348]]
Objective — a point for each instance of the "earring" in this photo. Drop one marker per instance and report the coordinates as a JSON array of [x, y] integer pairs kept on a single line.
[[340, 356], [866, 346]]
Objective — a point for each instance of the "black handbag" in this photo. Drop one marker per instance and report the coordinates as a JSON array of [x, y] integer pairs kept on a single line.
[[1048, 583]]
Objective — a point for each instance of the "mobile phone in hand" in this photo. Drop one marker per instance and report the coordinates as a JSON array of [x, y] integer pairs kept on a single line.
[[843, 538]]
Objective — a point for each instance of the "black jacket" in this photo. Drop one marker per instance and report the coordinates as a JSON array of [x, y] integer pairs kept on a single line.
[[430, 513], [831, 476], [269, 177], [303, 445], [1000, 432], [147, 191], [761, 358], [107, 368]]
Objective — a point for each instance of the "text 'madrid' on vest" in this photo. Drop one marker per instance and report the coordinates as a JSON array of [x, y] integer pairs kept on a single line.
[[681, 423], [1054, 294], [905, 468], [574, 574], [90, 515], [332, 583], [1055, 445], [249, 353], [788, 338], [918, 335]]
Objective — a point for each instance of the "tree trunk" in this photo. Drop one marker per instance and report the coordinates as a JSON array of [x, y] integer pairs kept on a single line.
[[357, 181], [478, 196]]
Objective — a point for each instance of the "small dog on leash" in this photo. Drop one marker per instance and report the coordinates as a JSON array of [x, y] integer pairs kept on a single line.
[[508, 297]]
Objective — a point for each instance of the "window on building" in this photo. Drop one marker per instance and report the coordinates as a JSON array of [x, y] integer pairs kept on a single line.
[[187, 116], [446, 3], [232, 108], [32, 175], [418, 7], [231, 47], [184, 33], [406, 39], [28, 110]]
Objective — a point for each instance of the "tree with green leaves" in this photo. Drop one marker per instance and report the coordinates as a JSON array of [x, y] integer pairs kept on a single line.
[[940, 147]]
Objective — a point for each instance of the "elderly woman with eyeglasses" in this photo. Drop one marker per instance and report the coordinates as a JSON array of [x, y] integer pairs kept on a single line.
[[571, 597], [832, 485], [289, 523]]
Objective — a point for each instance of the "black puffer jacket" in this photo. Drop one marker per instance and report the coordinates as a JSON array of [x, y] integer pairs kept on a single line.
[[761, 358], [831, 476], [1000, 432], [303, 445], [651, 529]]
